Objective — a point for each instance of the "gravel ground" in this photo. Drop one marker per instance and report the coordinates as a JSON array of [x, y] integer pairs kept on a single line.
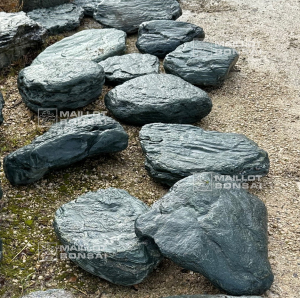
[[260, 99]]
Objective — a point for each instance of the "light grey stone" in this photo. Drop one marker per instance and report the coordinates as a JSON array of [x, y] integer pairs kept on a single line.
[[201, 63], [65, 84], [158, 98], [119, 69], [100, 225], [220, 233], [52, 293], [128, 15], [176, 151]]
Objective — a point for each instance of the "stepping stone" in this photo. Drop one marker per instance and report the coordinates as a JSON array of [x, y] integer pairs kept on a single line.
[[28, 5], [176, 151], [221, 233], [102, 224], [91, 44], [18, 34], [158, 98], [65, 143], [2, 103], [65, 84], [128, 15], [89, 6], [119, 69], [58, 19], [160, 37], [53, 293], [201, 63]]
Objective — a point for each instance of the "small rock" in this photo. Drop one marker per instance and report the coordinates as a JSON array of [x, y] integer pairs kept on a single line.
[[91, 44], [201, 63], [128, 15], [89, 6], [28, 5], [18, 34], [220, 233], [65, 143], [2, 103], [58, 19], [158, 98], [62, 83], [119, 69], [100, 227], [161, 37], [176, 151], [53, 293]]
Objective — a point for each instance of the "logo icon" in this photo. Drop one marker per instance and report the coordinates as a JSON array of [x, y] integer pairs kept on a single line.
[[47, 117]]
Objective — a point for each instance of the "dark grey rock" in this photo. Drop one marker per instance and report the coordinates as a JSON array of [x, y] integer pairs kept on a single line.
[[53, 293], [18, 34], [201, 63], [91, 44], [220, 233], [28, 5], [65, 143], [58, 19], [119, 69], [128, 15], [161, 37], [158, 98], [89, 6], [63, 84], [2, 103], [101, 225], [177, 151]]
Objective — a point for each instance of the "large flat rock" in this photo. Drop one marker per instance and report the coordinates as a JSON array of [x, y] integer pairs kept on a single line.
[[220, 233], [58, 19], [28, 5], [160, 37], [91, 44], [158, 98], [176, 151], [201, 63], [128, 15], [65, 143], [102, 224], [63, 84], [119, 69], [18, 34]]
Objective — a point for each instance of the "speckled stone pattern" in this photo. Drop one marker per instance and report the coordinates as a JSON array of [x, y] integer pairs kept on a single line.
[[220, 233], [28, 5], [58, 19], [65, 143], [62, 84], [18, 34], [128, 15], [158, 98], [52, 293], [175, 151], [2, 103], [201, 63], [89, 6], [119, 69], [102, 223], [91, 44], [160, 37]]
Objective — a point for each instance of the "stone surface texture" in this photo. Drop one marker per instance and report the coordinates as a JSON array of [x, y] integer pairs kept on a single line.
[[52, 293], [28, 5], [89, 6]]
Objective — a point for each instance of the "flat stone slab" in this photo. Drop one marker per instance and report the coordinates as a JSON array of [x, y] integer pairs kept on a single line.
[[220, 233], [63, 84], [18, 34], [176, 151], [201, 63], [160, 37], [158, 98], [89, 6], [119, 69], [2, 103], [91, 44], [28, 5], [58, 19], [65, 143], [128, 15], [52, 293], [102, 224]]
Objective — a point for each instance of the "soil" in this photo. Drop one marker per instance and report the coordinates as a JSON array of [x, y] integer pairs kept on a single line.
[[259, 99]]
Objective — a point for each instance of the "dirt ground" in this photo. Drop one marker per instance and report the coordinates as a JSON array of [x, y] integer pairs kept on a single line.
[[260, 99]]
